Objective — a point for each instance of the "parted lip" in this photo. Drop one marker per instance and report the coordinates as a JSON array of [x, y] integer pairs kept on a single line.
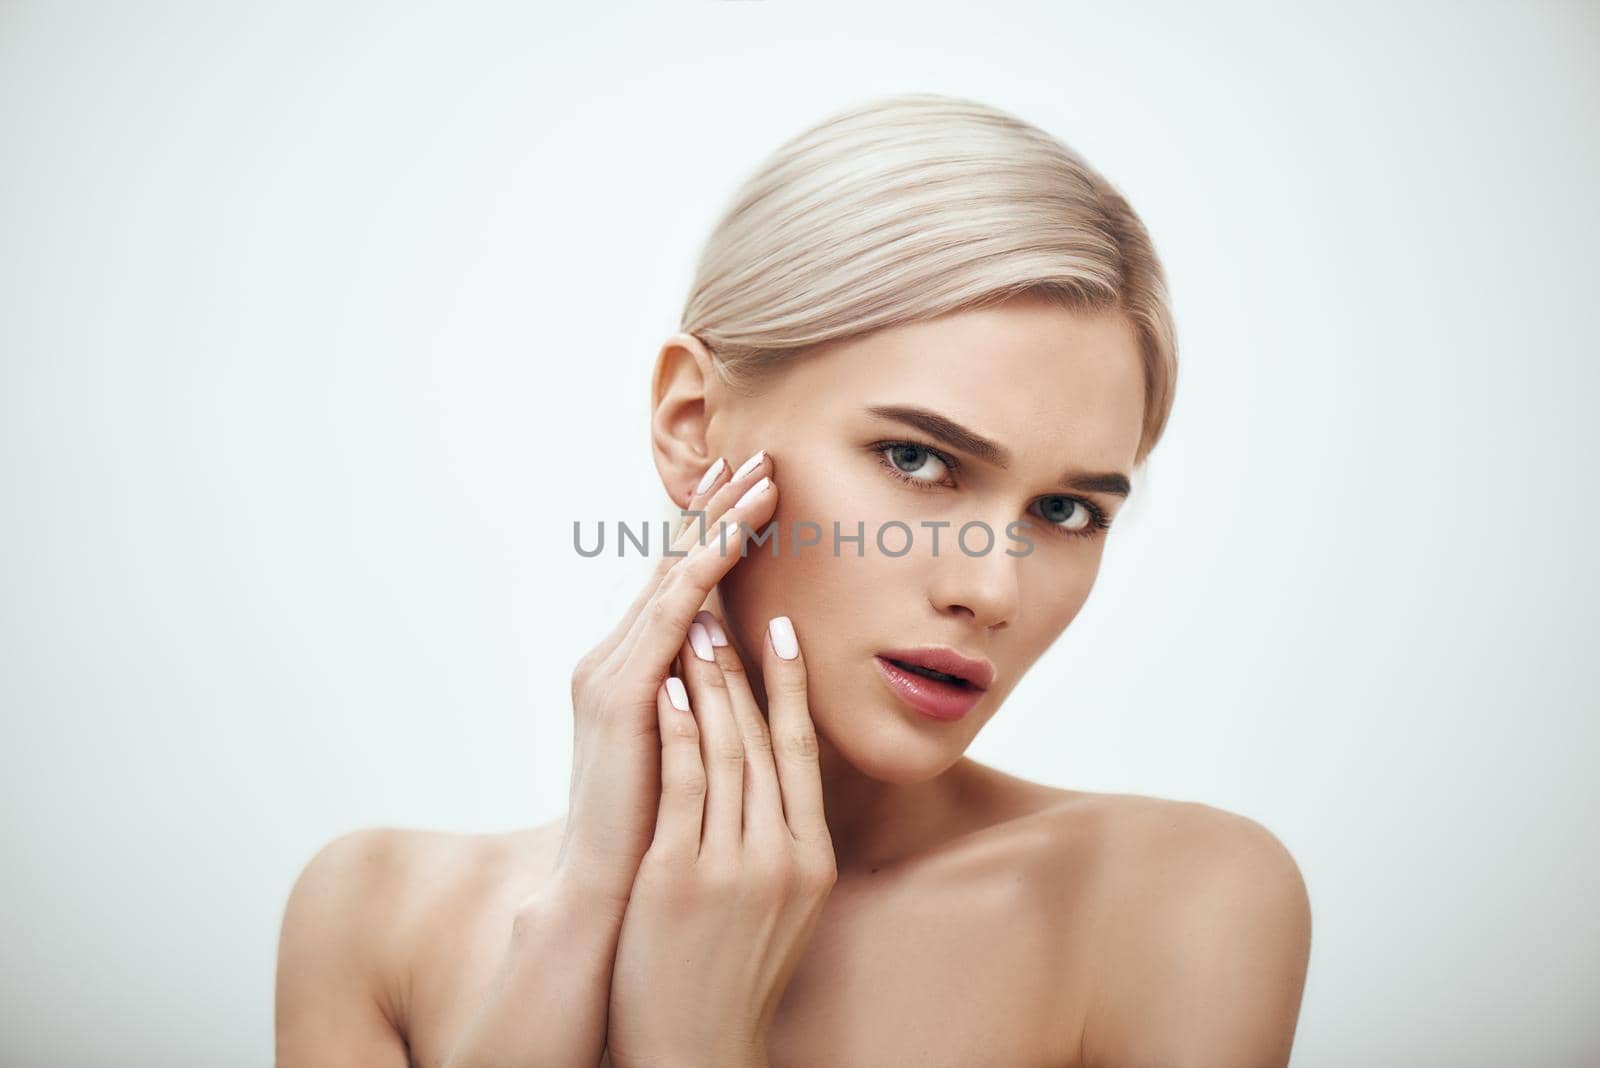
[[978, 672]]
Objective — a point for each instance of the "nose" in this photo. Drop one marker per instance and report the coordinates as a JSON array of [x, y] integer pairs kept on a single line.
[[981, 587]]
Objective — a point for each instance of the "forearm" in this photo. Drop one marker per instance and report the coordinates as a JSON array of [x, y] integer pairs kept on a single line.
[[552, 997]]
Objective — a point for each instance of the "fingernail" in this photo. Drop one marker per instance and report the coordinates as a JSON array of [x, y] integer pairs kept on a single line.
[[700, 641], [749, 465], [783, 639], [719, 637], [753, 492], [710, 476], [677, 694]]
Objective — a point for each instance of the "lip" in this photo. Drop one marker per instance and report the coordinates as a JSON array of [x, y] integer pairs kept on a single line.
[[980, 673], [938, 700]]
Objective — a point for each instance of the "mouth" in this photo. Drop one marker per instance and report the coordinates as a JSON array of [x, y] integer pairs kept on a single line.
[[940, 663], [940, 695], [929, 673]]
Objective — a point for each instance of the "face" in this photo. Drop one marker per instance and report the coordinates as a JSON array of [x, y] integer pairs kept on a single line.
[[1058, 394]]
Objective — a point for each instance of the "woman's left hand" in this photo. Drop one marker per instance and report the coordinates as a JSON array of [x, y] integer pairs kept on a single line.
[[739, 869]]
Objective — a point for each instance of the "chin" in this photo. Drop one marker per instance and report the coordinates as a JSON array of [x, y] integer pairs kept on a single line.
[[897, 767]]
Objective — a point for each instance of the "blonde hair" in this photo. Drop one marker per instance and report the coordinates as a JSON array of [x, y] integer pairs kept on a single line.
[[910, 207]]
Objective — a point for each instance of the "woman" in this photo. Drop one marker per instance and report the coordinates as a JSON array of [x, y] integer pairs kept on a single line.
[[943, 343]]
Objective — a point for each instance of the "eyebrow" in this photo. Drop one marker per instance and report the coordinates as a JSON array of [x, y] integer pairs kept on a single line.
[[956, 436]]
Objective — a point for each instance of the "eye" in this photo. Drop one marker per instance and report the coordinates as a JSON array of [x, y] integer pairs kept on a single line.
[[910, 462], [916, 463], [1072, 516]]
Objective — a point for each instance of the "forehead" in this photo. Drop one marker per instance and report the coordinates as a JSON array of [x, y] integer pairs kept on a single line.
[[1039, 378]]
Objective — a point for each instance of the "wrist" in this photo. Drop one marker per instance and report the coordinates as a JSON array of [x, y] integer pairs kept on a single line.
[[572, 892]]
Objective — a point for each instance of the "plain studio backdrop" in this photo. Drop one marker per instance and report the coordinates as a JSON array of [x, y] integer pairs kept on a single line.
[[322, 324]]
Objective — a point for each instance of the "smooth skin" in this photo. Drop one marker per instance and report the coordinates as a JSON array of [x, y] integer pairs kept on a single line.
[[740, 868], [614, 847], [975, 918]]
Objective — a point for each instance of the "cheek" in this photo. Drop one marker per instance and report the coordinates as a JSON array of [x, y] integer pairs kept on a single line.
[[837, 486], [1052, 601], [819, 591], [832, 598], [1066, 596]]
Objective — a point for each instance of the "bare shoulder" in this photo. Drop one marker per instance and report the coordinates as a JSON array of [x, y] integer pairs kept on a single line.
[[363, 911], [1137, 843], [1202, 956], [1169, 838]]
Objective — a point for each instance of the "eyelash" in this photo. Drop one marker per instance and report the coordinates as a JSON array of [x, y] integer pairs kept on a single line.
[[1098, 520]]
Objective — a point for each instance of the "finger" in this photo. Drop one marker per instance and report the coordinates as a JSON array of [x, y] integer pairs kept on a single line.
[[699, 523], [709, 481], [694, 530], [700, 499], [763, 800], [659, 629], [710, 499], [794, 736], [721, 750], [683, 776]]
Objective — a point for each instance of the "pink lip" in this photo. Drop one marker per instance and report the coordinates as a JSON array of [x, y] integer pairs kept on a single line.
[[980, 673], [937, 700]]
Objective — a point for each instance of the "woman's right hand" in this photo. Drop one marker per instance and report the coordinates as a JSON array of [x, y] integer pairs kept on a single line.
[[616, 759], [549, 1001]]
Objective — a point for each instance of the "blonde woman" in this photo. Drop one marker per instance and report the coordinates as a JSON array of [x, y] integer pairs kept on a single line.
[[926, 351]]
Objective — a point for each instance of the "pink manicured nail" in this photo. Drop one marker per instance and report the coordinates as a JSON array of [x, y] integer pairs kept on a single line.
[[783, 639], [677, 694], [709, 477], [719, 637], [700, 642]]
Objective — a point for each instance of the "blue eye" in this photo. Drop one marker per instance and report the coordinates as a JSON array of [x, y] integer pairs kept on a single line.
[[909, 461], [1086, 520], [907, 458]]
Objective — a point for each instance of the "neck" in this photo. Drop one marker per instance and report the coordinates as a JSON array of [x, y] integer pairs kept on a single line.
[[875, 823]]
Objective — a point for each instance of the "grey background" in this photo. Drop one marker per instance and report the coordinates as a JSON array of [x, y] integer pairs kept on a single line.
[[320, 325]]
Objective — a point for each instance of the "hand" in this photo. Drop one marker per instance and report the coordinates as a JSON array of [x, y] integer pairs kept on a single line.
[[741, 864], [548, 1002], [616, 750]]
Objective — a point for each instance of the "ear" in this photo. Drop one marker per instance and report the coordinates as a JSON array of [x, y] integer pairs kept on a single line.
[[679, 415]]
